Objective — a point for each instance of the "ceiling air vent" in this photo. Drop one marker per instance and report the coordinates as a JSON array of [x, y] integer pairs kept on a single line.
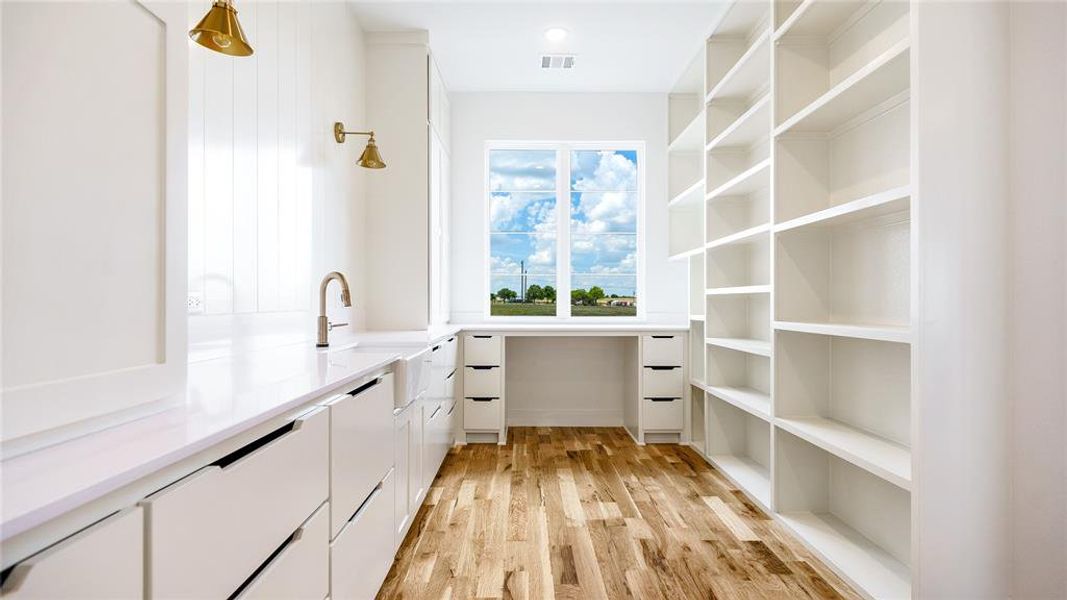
[[557, 61]]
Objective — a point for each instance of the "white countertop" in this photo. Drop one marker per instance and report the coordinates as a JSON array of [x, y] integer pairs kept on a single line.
[[223, 398]]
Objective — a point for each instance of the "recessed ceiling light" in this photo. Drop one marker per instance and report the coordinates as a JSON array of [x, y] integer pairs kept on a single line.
[[555, 34]]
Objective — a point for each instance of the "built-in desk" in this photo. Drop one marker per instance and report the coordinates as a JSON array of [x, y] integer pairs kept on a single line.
[[605, 375]]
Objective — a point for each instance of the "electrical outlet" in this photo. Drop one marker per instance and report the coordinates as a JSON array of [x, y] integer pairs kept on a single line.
[[194, 303]]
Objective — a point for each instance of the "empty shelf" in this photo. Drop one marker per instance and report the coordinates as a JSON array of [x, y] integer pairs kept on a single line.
[[750, 235], [748, 475], [876, 205], [740, 290], [756, 177], [817, 18], [878, 456], [749, 75], [752, 401], [689, 196], [884, 333], [751, 127], [691, 138], [760, 347]]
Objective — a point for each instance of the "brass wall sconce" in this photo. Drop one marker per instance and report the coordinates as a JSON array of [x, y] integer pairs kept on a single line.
[[220, 31], [371, 158]]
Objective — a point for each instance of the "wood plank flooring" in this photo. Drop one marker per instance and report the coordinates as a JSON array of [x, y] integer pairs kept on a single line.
[[587, 513]]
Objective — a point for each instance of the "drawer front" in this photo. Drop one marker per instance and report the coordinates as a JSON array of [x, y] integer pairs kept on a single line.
[[210, 531], [662, 414], [451, 348], [482, 350], [662, 350], [450, 384], [482, 414], [361, 432], [301, 569], [361, 555], [663, 382], [103, 561], [482, 382]]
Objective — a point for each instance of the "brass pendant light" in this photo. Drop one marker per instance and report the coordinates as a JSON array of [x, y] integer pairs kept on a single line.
[[220, 31], [371, 158]]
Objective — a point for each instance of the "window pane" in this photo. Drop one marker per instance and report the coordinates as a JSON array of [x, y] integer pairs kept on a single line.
[[522, 211], [604, 254], [515, 253], [603, 295], [604, 170], [604, 212], [515, 296], [522, 170]]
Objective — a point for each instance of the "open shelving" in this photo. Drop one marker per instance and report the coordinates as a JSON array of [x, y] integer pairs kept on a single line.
[[745, 262], [739, 444], [740, 378], [698, 439]]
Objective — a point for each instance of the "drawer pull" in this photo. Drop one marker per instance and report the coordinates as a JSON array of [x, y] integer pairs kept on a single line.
[[481, 337], [662, 368], [436, 348], [274, 557], [481, 367], [251, 447], [482, 399], [451, 339], [451, 410], [374, 494], [365, 387], [452, 374], [662, 399], [437, 410], [663, 337]]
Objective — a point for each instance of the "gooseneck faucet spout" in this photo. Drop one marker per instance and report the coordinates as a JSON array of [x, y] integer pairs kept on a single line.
[[325, 326]]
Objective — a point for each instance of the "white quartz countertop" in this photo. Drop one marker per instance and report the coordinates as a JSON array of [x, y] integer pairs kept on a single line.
[[223, 398]]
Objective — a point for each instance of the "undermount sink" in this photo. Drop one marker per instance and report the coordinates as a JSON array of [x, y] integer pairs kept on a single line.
[[412, 370]]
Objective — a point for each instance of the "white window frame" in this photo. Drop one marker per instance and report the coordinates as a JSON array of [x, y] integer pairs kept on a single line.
[[563, 230]]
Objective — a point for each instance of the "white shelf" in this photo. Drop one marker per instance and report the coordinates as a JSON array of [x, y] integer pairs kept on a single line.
[[817, 18], [749, 75], [754, 402], [756, 177], [878, 456], [758, 347], [698, 383], [747, 236], [748, 475], [689, 196], [852, 556], [876, 205], [696, 317], [751, 127], [740, 290], [880, 80], [691, 137], [685, 254], [883, 333]]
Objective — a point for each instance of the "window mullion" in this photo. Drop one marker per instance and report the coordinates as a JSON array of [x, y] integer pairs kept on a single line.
[[563, 235]]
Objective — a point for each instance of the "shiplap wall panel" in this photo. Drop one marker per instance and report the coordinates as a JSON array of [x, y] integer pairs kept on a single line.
[[245, 171], [268, 83]]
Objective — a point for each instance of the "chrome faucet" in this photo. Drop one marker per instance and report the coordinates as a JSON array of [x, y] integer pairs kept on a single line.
[[325, 326]]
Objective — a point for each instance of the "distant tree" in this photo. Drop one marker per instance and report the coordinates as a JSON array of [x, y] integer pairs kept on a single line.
[[506, 294], [614, 296], [549, 293], [595, 294], [492, 297], [579, 297], [535, 293]]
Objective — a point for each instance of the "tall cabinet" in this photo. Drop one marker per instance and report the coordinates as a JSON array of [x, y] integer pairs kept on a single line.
[[799, 245]]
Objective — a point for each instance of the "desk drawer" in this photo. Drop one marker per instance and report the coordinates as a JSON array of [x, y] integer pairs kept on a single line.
[[482, 382], [210, 531], [482, 350], [662, 414], [482, 414], [362, 553], [301, 569], [662, 350], [662, 382], [361, 433], [102, 562]]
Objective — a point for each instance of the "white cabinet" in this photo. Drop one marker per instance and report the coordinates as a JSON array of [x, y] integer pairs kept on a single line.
[[662, 414], [482, 382], [360, 556], [301, 568], [361, 433], [405, 472], [209, 532], [482, 414], [662, 350], [663, 382], [104, 561], [482, 350]]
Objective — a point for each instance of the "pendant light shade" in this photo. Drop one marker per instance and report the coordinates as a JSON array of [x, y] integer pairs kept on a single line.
[[220, 31], [371, 159]]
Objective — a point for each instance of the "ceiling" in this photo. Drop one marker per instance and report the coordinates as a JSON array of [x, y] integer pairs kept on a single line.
[[621, 46]]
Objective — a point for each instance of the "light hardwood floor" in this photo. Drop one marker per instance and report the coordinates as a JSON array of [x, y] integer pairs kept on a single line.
[[586, 513]]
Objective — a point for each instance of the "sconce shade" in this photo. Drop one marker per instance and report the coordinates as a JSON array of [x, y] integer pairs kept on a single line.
[[220, 31], [371, 158]]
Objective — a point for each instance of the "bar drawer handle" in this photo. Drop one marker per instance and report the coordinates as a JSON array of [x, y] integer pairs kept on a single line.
[[663, 337], [663, 368], [662, 399], [481, 337], [481, 367], [482, 399]]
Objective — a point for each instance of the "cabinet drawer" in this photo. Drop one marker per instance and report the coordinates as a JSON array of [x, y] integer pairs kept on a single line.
[[482, 350], [481, 382], [662, 414], [450, 384], [482, 414], [361, 432], [210, 531], [662, 382], [362, 553], [301, 569], [104, 561], [451, 347], [662, 350]]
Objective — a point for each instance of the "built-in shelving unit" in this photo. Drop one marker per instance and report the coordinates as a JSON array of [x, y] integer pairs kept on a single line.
[[800, 291]]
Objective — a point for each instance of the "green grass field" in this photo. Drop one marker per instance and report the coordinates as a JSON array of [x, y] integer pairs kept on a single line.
[[519, 309]]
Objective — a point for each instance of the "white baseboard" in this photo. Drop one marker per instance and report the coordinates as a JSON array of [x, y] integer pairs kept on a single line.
[[607, 417]]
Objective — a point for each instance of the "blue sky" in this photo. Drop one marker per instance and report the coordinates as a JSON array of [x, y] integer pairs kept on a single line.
[[603, 202]]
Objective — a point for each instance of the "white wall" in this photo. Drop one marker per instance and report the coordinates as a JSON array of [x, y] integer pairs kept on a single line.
[[480, 117], [275, 202]]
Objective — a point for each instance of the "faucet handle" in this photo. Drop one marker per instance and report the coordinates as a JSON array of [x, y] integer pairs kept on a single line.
[[330, 326]]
